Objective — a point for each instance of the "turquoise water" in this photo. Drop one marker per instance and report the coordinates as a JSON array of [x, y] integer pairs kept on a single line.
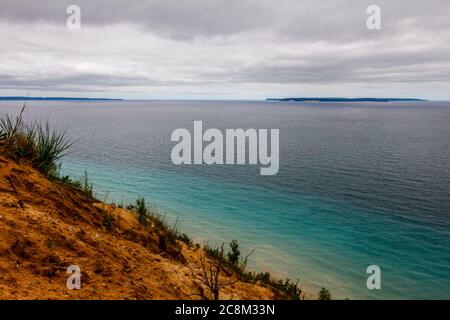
[[359, 184]]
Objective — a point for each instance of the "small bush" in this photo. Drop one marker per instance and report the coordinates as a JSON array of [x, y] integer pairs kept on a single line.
[[263, 277], [212, 252], [141, 211], [234, 254], [233, 260], [290, 288], [183, 237], [211, 270], [324, 294], [167, 236]]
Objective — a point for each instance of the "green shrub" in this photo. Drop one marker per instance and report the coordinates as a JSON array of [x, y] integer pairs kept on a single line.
[[290, 288], [324, 294], [234, 254], [183, 237], [141, 211], [212, 252], [167, 235], [233, 260], [263, 277]]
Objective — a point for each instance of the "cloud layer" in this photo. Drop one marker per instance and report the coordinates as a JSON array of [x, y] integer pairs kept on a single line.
[[225, 49]]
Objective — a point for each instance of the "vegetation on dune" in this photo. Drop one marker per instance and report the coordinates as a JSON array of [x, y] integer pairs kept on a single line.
[[33, 141], [83, 184], [43, 147], [168, 235], [233, 261], [218, 264]]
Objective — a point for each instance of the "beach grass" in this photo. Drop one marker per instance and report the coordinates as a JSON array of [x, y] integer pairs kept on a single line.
[[34, 141]]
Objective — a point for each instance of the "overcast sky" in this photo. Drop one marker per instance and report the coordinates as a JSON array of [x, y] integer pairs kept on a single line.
[[228, 49]]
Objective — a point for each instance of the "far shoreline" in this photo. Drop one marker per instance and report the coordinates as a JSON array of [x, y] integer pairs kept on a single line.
[[23, 98], [326, 99]]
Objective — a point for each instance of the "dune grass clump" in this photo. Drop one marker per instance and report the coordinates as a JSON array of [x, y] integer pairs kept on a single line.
[[33, 141], [142, 211], [50, 146], [10, 126]]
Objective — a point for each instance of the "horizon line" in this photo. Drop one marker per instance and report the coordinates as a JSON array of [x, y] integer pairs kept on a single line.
[[283, 99]]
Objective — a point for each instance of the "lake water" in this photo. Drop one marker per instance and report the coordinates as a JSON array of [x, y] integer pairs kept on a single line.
[[359, 184]]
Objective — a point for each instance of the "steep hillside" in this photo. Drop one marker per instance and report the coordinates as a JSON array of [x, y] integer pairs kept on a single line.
[[46, 226]]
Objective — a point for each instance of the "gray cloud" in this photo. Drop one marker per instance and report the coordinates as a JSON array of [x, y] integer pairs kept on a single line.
[[245, 48], [298, 19]]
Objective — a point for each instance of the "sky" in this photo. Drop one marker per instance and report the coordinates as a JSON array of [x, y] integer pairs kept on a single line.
[[227, 49]]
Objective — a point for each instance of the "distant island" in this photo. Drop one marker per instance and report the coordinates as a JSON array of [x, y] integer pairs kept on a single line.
[[343, 99], [21, 98]]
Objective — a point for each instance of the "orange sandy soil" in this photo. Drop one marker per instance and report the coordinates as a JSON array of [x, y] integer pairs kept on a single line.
[[46, 226]]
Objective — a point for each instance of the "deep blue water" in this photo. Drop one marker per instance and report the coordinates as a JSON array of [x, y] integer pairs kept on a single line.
[[359, 184]]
